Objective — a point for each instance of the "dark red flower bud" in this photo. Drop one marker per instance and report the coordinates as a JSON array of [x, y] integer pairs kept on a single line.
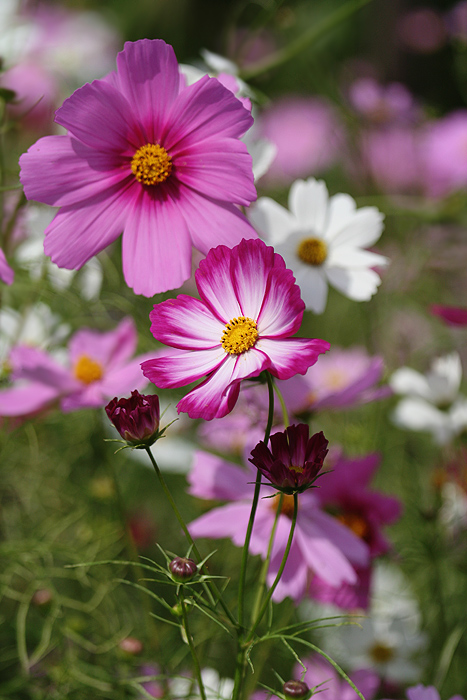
[[294, 460], [182, 569], [296, 689], [136, 418]]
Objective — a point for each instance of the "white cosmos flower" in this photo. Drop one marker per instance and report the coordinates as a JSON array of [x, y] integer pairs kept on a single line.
[[322, 239], [433, 402]]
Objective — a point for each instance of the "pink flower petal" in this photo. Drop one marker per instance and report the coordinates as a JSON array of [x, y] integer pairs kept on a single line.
[[122, 380], [215, 285], [186, 322], [218, 168], [282, 312], [148, 76], [110, 349], [228, 521], [26, 399], [322, 556], [211, 477], [70, 171], [213, 112], [289, 356], [176, 368], [81, 231], [37, 366], [212, 223], [99, 115], [6, 273], [156, 246]]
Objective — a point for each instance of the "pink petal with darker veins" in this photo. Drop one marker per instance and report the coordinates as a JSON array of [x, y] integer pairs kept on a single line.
[[289, 356], [186, 323], [176, 368]]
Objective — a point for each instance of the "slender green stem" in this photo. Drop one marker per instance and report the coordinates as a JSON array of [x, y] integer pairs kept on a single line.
[[279, 573], [311, 36], [265, 567], [192, 646], [254, 505], [211, 590], [285, 415]]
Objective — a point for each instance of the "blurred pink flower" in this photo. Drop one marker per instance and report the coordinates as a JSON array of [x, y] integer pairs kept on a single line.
[[306, 133], [444, 148], [456, 21], [167, 172], [250, 308], [6, 273], [99, 364], [382, 104], [321, 544], [320, 673], [392, 158], [345, 378], [426, 692], [346, 494], [36, 95]]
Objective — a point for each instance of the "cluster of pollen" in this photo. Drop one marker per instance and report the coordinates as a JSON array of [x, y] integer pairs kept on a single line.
[[151, 164], [313, 251], [87, 370], [356, 523], [239, 335], [287, 506]]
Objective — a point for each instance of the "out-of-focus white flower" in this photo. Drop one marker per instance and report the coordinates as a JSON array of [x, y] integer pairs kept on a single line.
[[37, 326], [322, 239], [453, 511], [388, 640], [30, 256], [433, 402], [216, 688]]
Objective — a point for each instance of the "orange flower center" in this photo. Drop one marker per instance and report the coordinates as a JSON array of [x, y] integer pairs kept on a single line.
[[287, 504], [151, 164], [381, 653], [356, 523], [313, 251], [87, 370], [239, 335]]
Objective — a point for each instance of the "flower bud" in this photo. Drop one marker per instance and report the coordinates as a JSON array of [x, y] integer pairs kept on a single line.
[[136, 418], [296, 689], [182, 569]]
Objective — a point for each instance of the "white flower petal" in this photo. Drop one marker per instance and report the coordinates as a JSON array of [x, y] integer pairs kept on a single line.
[[313, 286], [272, 221], [359, 284], [308, 201], [410, 382], [363, 230], [345, 256]]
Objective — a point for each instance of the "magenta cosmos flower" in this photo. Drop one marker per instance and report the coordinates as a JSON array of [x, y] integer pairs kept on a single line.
[[294, 461], [6, 273], [452, 315], [249, 308], [320, 544], [99, 364], [147, 156]]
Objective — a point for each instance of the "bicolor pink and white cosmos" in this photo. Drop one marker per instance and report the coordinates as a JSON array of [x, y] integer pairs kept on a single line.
[[249, 308], [147, 156]]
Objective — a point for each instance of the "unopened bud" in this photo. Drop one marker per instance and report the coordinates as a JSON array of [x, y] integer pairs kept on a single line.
[[182, 569], [296, 689]]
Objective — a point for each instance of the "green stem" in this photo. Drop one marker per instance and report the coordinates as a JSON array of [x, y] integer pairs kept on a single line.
[[279, 573], [211, 590], [241, 649], [254, 505], [265, 567], [192, 646], [308, 38], [285, 415]]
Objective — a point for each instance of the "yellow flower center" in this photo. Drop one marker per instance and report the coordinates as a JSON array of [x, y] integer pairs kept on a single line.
[[381, 653], [87, 370], [287, 504], [151, 164], [313, 251], [239, 335], [356, 523]]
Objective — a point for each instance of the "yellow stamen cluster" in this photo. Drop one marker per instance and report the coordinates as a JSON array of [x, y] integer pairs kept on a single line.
[[356, 523], [313, 251], [287, 506], [381, 653], [87, 370], [151, 164], [239, 335]]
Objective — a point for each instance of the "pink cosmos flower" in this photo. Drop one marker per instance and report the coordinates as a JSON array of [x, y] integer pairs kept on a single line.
[[147, 156], [428, 692], [250, 307], [306, 133], [347, 496], [392, 157], [382, 103], [321, 544], [99, 365], [445, 154], [6, 273], [345, 378]]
